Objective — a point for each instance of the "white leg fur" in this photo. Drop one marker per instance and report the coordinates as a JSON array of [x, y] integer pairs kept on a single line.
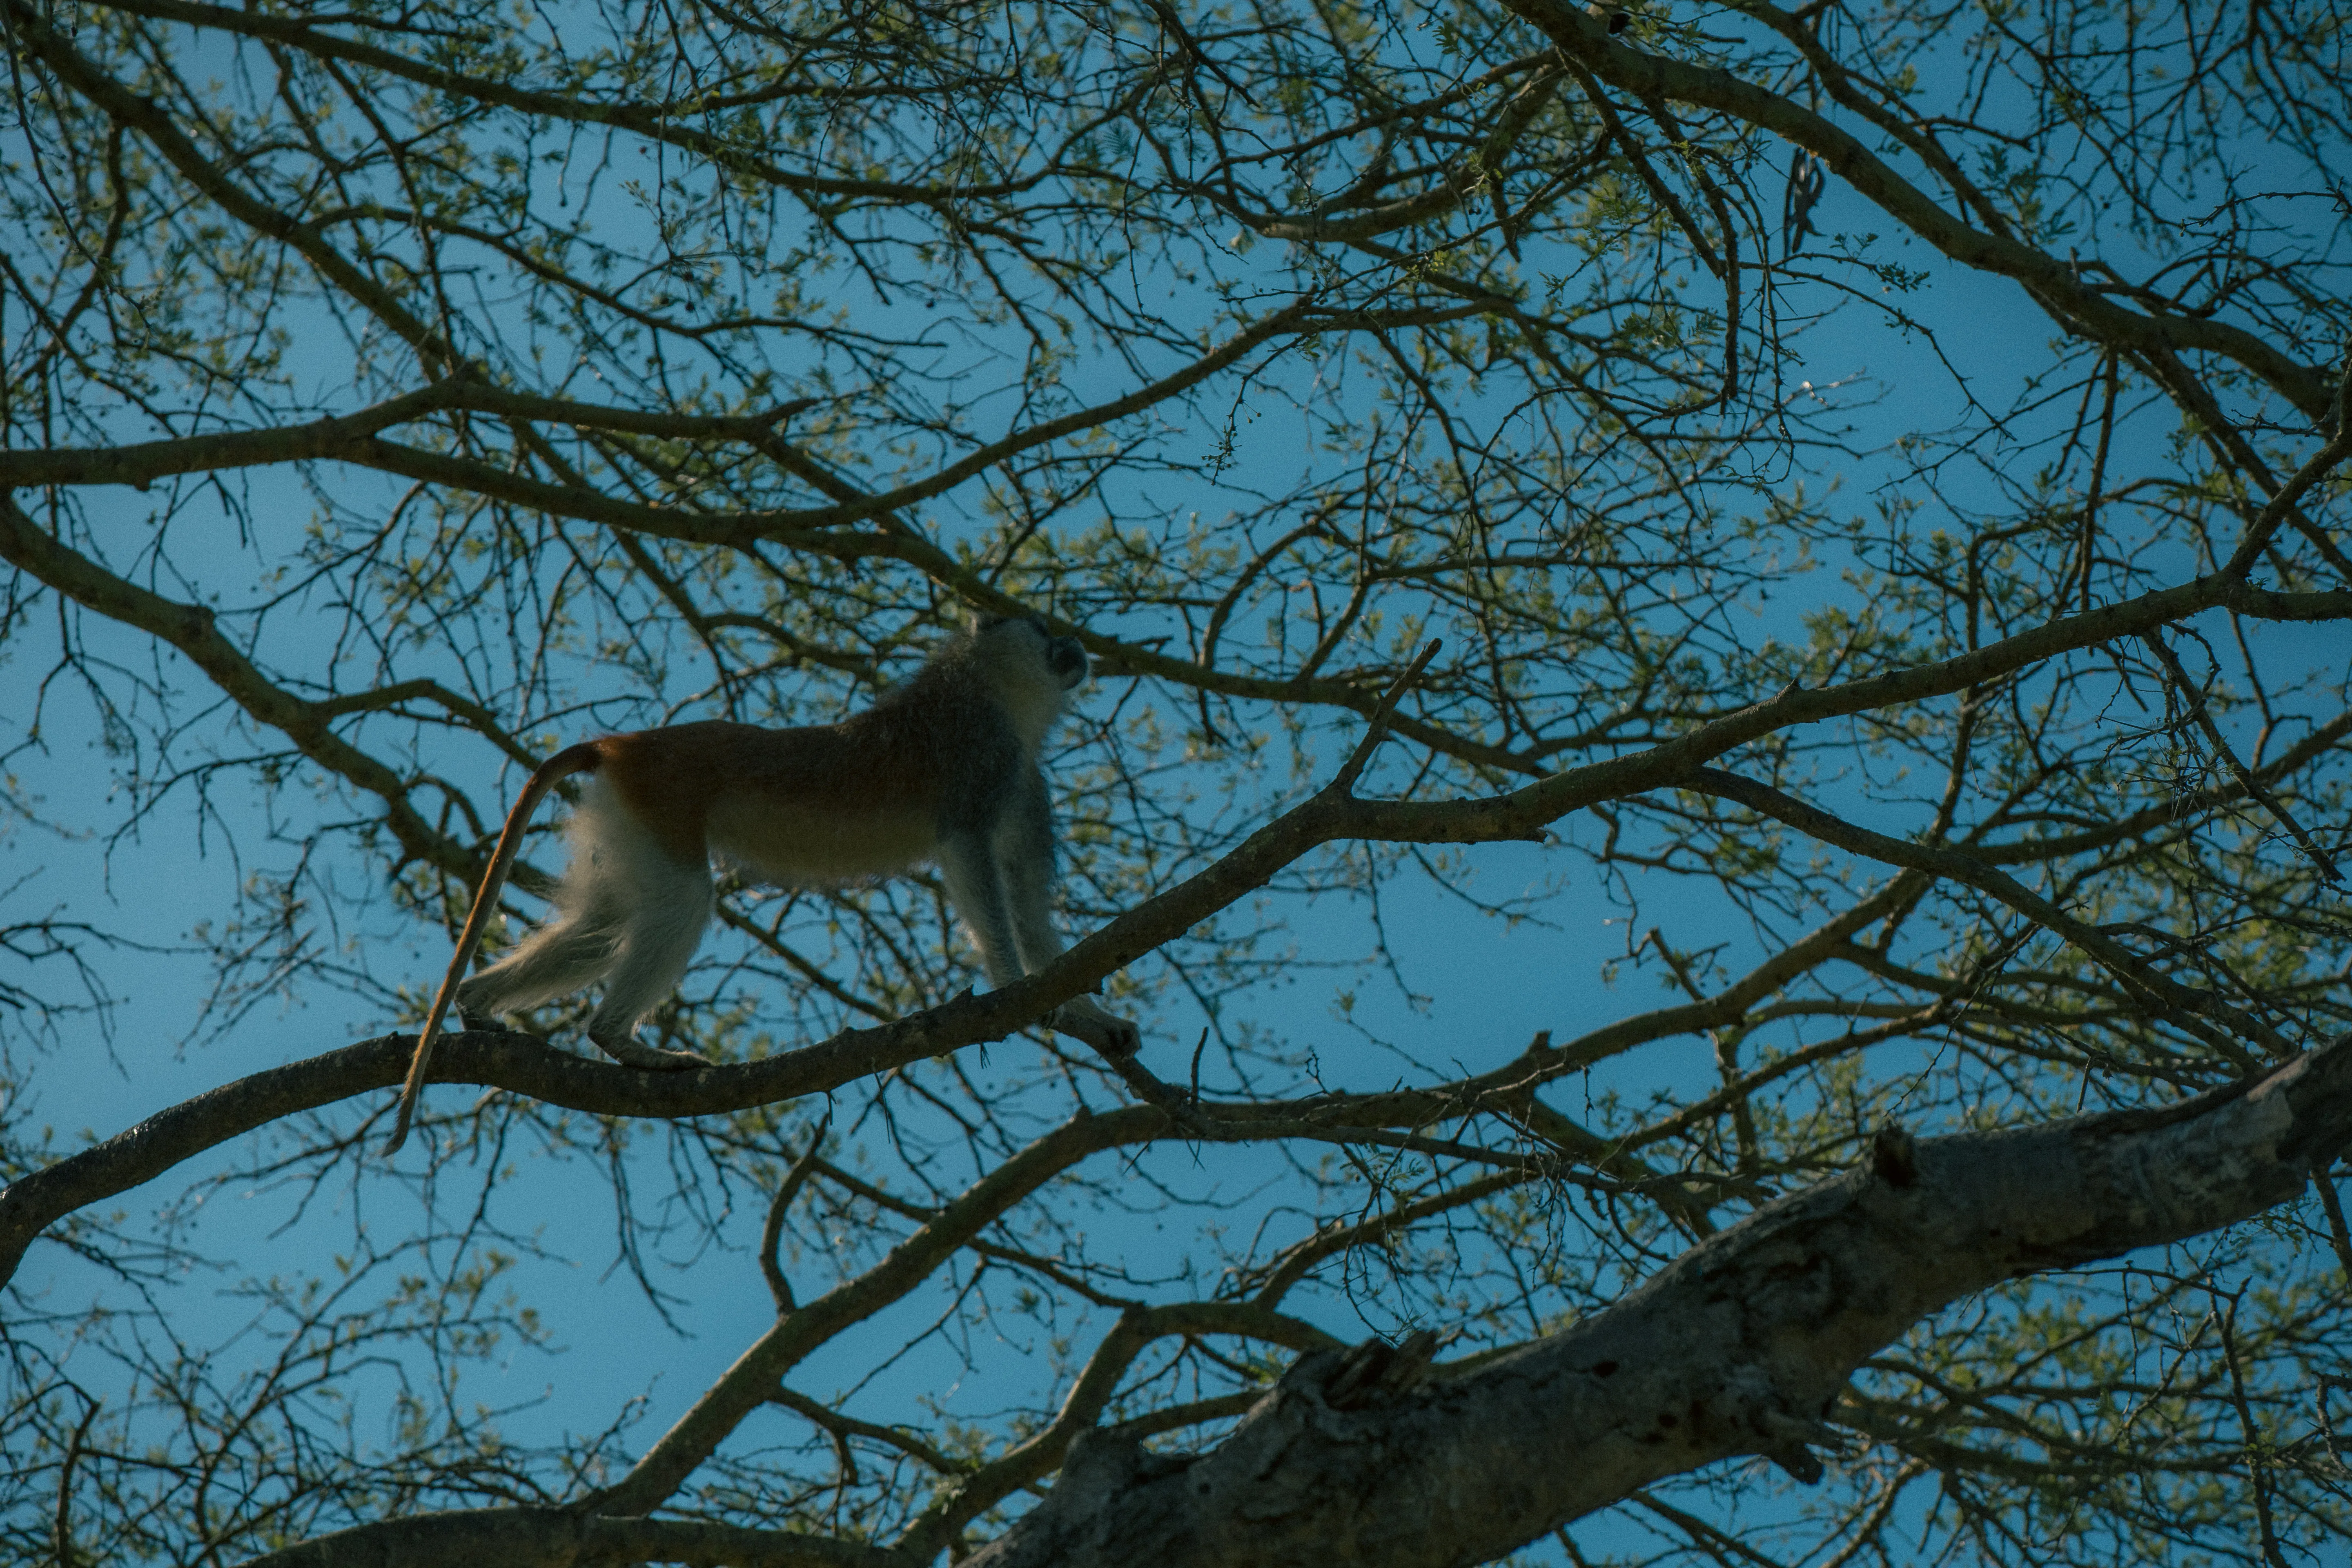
[[626, 906]]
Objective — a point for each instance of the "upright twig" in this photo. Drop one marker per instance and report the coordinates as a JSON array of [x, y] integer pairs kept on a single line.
[[1377, 728], [2338, 425], [772, 1234]]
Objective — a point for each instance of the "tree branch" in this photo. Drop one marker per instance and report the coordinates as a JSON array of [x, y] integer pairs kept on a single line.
[[1740, 1346], [559, 1538]]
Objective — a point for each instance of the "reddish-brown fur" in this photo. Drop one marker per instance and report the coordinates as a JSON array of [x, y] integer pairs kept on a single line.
[[874, 762]]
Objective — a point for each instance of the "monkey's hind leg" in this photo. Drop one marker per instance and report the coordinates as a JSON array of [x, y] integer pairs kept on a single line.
[[670, 904], [559, 958]]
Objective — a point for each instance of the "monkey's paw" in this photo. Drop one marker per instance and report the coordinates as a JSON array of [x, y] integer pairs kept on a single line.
[[626, 1051], [1084, 1019]]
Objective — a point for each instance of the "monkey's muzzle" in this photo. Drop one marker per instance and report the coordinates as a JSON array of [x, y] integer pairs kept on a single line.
[[1066, 658]]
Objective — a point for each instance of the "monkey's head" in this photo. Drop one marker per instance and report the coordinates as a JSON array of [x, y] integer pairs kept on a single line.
[[1030, 670], [1017, 641]]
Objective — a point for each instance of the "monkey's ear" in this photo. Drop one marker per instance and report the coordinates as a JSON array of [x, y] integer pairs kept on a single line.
[[980, 623]]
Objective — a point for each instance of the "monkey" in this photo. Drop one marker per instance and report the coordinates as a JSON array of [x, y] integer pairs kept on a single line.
[[944, 768]]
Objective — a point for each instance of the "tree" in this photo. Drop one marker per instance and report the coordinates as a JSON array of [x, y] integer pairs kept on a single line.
[[1796, 553]]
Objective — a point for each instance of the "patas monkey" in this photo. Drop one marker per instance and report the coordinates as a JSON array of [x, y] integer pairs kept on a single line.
[[944, 768]]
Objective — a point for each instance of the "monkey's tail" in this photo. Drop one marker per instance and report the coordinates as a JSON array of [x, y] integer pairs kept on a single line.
[[580, 759]]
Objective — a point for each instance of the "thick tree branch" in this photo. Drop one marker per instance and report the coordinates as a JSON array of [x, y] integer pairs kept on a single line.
[[498, 1060], [524, 1064], [353, 438], [1741, 1346], [142, 462], [561, 1538]]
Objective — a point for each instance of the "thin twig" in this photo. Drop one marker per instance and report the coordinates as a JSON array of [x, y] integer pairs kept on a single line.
[[772, 1234], [2337, 1233], [1344, 782], [2282, 504], [2257, 1461], [2195, 697], [62, 1539]]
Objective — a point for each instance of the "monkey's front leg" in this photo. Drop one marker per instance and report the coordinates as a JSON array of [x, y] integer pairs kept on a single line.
[[1022, 859], [1000, 889]]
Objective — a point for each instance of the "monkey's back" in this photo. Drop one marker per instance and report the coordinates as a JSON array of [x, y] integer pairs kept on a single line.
[[823, 803]]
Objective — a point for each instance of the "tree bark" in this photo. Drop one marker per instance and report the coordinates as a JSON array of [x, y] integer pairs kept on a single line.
[[1740, 1346], [565, 1538]]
